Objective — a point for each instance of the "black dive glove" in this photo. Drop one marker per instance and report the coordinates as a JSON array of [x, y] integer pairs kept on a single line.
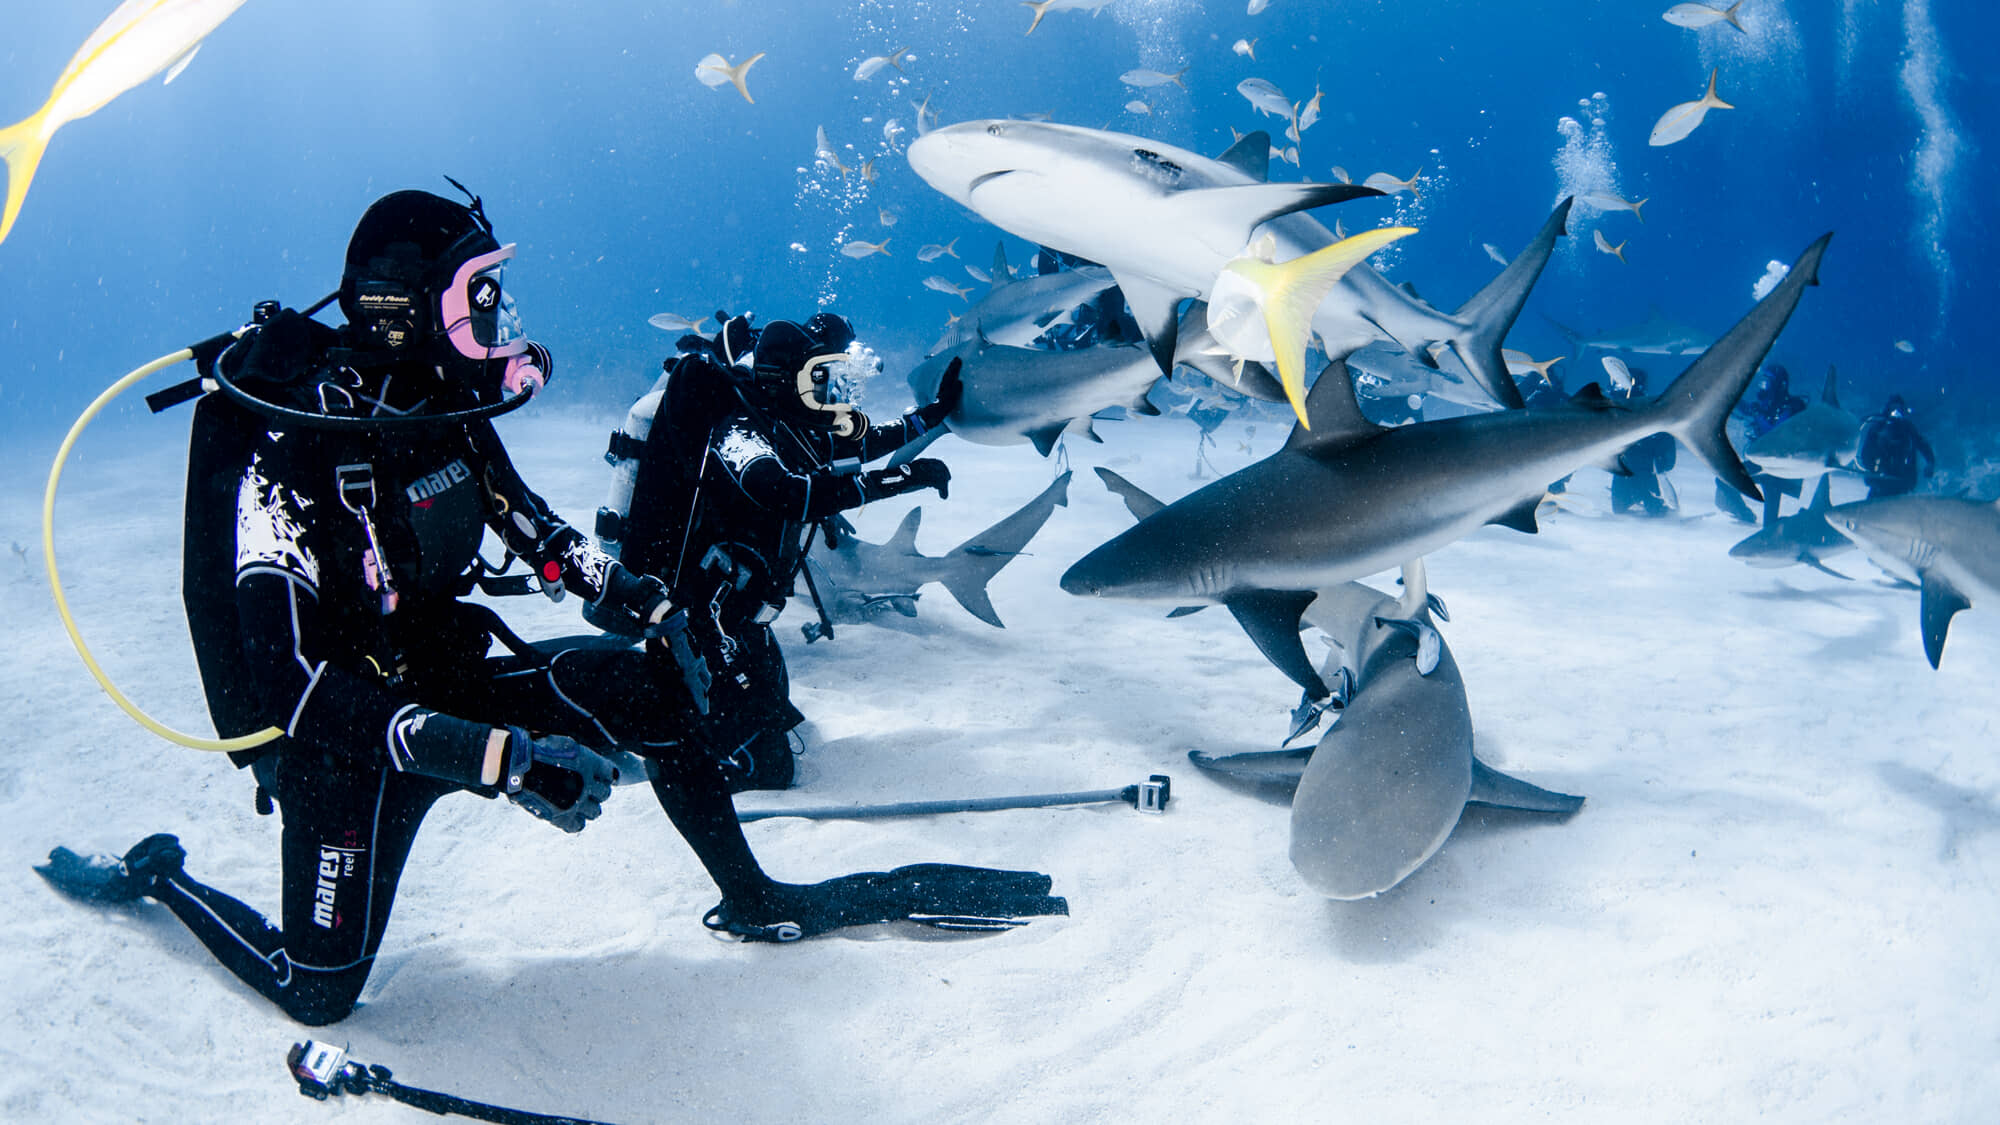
[[631, 605], [930, 416], [924, 472], [557, 779]]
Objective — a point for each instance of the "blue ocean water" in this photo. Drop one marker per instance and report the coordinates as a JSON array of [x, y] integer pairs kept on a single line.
[[633, 189]]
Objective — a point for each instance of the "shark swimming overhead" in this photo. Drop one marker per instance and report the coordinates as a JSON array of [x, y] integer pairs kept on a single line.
[[139, 39], [1656, 335], [1950, 546], [1347, 498], [1108, 196]]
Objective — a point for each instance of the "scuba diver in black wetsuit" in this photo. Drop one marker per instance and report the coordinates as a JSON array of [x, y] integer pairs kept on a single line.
[[358, 472], [751, 451], [1888, 450]]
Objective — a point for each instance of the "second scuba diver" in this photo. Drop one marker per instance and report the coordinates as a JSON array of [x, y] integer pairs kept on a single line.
[[751, 450], [337, 501]]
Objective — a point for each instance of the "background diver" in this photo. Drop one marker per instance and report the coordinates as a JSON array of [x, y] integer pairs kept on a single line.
[[330, 543], [753, 447], [1888, 449]]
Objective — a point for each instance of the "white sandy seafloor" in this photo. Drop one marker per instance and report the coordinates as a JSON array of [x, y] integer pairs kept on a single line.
[[1782, 898]]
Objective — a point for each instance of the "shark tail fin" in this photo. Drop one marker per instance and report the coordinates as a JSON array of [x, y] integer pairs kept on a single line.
[[973, 563], [1492, 311], [1695, 407], [1291, 291], [21, 146]]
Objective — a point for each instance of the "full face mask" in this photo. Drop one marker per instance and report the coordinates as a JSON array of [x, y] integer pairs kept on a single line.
[[480, 321]]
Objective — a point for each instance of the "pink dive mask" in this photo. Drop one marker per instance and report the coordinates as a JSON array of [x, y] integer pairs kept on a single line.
[[479, 316], [480, 322]]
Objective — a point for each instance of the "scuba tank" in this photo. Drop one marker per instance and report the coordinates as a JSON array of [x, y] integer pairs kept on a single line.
[[626, 450]]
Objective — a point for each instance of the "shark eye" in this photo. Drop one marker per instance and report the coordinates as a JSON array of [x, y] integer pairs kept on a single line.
[[996, 130]]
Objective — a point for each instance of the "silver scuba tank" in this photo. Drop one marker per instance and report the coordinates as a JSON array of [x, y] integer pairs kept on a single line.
[[628, 444]]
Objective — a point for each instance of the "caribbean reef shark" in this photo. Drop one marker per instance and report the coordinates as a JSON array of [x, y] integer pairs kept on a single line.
[[1166, 222], [1346, 498], [1822, 436], [1802, 537], [858, 581], [1949, 546]]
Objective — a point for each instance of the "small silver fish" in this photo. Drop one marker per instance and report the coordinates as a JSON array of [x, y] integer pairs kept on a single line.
[[1265, 97], [859, 249], [1604, 244], [1494, 253], [1906, 347], [872, 66], [932, 251], [1621, 375], [887, 216], [1245, 47], [669, 322], [1136, 106], [1678, 122], [1697, 16], [1605, 201], [1145, 79], [943, 286]]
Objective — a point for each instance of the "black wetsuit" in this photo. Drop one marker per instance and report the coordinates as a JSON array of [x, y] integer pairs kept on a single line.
[[1888, 450], [762, 484], [348, 666]]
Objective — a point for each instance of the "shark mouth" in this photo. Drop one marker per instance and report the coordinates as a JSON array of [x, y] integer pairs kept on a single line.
[[986, 178]]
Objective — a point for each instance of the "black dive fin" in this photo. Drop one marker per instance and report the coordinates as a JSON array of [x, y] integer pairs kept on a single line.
[[1271, 617], [104, 879], [944, 895], [1941, 602], [1497, 790]]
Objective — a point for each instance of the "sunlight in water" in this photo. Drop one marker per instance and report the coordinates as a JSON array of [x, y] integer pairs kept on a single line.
[[1934, 163]]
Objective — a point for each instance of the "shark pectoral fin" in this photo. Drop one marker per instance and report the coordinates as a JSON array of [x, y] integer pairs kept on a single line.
[[1941, 602], [1494, 789], [1271, 767], [21, 146], [1520, 517], [1137, 500], [1430, 645], [1045, 437], [1184, 610], [1157, 309], [1249, 206], [1825, 569], [1271, 617], [1250, 155]]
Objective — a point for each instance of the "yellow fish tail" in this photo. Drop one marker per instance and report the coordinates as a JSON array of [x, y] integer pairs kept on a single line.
[[1292, 291], [21, 146]]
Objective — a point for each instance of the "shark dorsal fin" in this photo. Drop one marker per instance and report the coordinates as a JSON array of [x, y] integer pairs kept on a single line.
[[1591, 395], [1826, 393], [1823, 495], [1250, 155], [1334, 412], [905, 539]]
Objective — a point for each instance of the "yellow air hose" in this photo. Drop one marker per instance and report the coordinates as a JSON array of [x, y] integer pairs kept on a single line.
[[245, 742]]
